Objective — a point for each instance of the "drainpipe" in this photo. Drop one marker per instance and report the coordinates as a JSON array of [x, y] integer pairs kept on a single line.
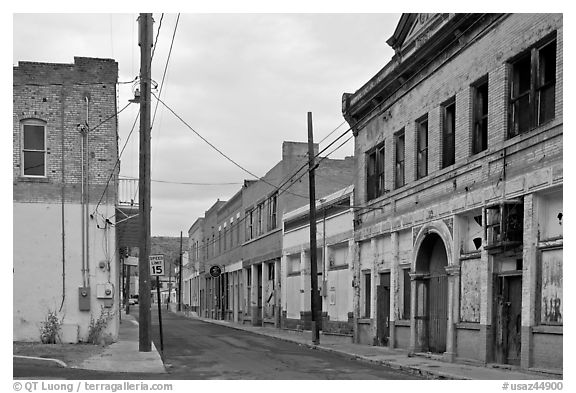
[[63, 199], [82, 130], [87, 204]]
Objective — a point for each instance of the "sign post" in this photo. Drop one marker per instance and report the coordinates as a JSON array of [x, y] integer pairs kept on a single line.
[[157, 269]]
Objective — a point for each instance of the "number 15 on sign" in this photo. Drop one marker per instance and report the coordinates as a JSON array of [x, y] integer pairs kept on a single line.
[[156, 265]]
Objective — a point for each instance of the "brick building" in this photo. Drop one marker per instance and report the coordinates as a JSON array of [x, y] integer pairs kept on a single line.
[[64, 150], [243, 236], [458, 145]]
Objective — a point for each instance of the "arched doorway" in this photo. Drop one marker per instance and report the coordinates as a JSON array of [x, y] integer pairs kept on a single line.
[[431, 262]]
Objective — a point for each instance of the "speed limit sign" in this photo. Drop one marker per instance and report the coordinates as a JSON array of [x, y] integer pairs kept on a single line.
[[156, 265]]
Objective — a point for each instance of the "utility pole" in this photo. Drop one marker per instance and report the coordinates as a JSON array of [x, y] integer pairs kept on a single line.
[[180, 277], [145, 40], [314, 301]]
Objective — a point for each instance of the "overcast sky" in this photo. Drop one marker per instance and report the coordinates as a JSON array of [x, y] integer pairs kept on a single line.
[[243, 81]]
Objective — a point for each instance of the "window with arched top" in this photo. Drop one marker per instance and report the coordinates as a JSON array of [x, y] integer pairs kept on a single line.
[[33, 148]]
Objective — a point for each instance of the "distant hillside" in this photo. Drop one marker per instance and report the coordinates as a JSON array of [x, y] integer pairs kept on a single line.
[[170, 247]]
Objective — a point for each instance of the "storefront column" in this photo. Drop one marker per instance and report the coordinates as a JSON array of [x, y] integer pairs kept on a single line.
[[453, 272], [394, 288], [254, 295], [277, 292]]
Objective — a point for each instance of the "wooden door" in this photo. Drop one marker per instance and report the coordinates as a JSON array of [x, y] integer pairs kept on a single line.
[[437, 313], [383, 309]]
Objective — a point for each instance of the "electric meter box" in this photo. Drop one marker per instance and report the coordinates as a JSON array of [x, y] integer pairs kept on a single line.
[[104, 291], [84, 298]]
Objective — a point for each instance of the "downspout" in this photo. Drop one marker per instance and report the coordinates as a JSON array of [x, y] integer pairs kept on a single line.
[[63, 199], [82, 202], [87, 204]]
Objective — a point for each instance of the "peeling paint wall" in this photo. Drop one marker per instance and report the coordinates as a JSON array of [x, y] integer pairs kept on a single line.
[[470, 271], [551, 304]]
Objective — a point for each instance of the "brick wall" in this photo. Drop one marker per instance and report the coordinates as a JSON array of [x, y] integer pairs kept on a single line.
[[56, 94], [487, 55]]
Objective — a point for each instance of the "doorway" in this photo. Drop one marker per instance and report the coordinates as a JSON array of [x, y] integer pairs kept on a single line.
[[431, 262], [383, 310], [508, 322]]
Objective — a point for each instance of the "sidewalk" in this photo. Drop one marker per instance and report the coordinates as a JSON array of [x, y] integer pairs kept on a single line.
[[121, 356], [124, 355], [395, 358]]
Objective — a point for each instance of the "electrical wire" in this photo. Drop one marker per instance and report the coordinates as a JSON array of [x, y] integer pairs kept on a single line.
[[165, 68], [157, 35], [116, 163], [184, 183]]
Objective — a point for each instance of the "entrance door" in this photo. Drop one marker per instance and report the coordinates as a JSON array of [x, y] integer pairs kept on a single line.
[[259, 283], [437, 313], [383, 309], [508, 319]]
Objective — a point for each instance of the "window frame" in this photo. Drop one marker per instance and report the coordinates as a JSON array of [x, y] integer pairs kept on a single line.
[[400, 135], [421, 161], [536, 86], [375, 182], [448, 138], [479, 125], [24, 150]]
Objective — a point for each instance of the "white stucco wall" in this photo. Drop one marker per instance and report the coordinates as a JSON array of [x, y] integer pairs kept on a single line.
[[37, 264]]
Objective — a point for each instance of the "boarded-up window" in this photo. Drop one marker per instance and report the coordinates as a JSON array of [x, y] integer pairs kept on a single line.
[[551, 287], [470, 290]]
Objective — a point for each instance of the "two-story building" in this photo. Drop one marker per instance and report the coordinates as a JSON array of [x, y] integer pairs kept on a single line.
[[334, 260], [64, 195], [458, 145]]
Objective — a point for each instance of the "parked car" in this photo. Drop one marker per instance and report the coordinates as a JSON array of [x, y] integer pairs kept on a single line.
[[132, 301]]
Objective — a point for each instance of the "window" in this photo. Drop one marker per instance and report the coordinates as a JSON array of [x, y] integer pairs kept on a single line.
[[400, 146], [533, 88], [448, 133], [220, 240], [375, 175], [271, 272], [406, 294], [367, 294], [422, 147], [33, 148], [550, 287], [249, 225], [480, 116], [260, 219], [272, 212]]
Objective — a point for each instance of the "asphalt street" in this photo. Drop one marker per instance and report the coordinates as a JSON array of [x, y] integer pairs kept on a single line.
[[195, 349]]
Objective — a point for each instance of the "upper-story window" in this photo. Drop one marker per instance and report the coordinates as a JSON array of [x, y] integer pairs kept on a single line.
[[422, 147], [400, 145], [375, 172], [33, 148], [272, 212], [480, 116], [249, 224], [448, 133], [533, 88]]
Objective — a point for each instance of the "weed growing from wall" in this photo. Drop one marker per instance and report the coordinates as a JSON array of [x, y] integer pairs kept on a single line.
[[98, 325], [50, 328]]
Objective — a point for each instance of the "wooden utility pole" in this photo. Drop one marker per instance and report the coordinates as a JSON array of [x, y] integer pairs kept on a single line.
[[145, 41], [314, 300], [180, 277]]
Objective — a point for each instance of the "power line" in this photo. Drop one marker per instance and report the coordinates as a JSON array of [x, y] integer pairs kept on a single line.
[[116, 163], [185, 183], [157, 35], [165, 67]]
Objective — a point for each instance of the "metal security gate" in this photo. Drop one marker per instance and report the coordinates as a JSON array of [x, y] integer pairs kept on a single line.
[[437, 313]]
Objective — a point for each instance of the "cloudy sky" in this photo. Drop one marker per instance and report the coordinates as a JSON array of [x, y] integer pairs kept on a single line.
[[245, 82]]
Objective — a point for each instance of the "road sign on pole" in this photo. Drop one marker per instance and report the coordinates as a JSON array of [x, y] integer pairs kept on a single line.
[[156, 265]]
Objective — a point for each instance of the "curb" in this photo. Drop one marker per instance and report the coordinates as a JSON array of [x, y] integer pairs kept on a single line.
[[57, 361]]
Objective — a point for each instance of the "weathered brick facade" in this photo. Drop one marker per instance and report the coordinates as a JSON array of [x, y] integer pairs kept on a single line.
[[64, 249], [429, 225]]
